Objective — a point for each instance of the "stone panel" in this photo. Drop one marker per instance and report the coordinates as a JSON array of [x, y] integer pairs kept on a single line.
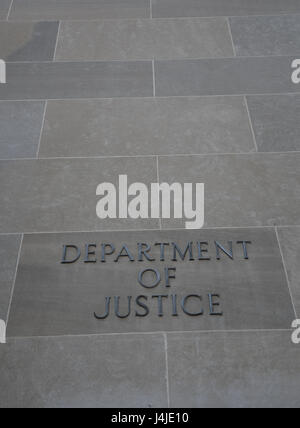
[[77, 80], [77, 9], [54, 298], [230, 76], [144, 39], [148, 126], [91, 371], [232, 370]]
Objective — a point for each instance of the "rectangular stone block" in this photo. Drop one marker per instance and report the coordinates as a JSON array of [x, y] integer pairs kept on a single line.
[[77, 80], [275, 120], [95, 371], [240, 190], [144, 39], [9, 249], [234, 370], [20, 124], [78, 9], [266, 35], [100, 283], [60, 195], [290, 243], [20, 41], [171, 8], [148, 126], [230, 76], [4, 8]]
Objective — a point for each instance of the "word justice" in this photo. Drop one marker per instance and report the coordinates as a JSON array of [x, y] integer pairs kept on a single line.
[[192, 305]]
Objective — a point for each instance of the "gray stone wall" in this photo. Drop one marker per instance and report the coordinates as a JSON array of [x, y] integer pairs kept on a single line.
[[175, 90]]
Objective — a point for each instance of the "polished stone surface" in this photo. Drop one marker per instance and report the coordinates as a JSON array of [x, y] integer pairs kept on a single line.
[[289, 238], [78, 9], [231, 76], [253, 293], [89, 371], [20, 124], [9, 249], [144, 39], [28, 41], [171, 8], [266, 35], [275, 121], [146, 126], [236, 187], [229, 370], [60, 195], [77, 80]]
